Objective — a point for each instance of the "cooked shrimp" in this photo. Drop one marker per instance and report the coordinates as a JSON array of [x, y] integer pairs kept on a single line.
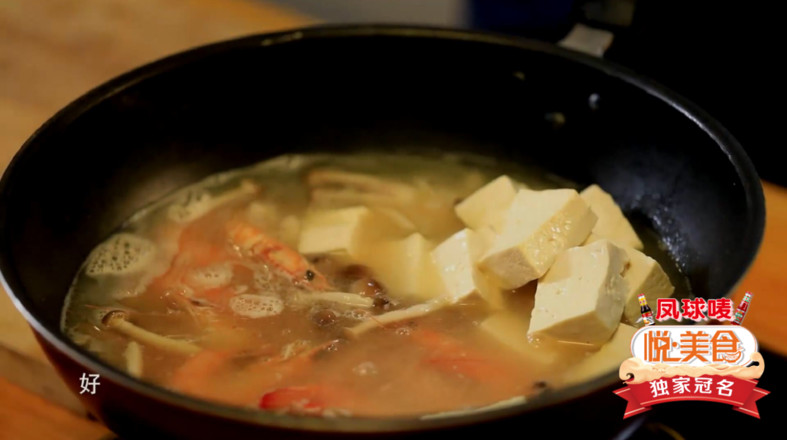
[[312, 399], [252, 240], [452, 356], [211, 374]]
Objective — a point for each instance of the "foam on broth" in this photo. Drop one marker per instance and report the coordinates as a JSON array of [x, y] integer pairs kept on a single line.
[[260, 342]]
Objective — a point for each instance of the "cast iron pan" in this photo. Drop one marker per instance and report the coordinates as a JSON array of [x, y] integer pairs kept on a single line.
[[170, 123]]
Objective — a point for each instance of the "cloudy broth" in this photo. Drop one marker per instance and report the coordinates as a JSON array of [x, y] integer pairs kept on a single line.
[[204, 292]]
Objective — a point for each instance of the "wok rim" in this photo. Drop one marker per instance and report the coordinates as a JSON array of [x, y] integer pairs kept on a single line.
[[737, 156]]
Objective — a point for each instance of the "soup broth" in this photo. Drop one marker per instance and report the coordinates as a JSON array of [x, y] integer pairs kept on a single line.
[[213, 292]]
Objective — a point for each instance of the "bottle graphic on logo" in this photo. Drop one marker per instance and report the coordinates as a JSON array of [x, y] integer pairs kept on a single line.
[[740, 312], [644, 310]]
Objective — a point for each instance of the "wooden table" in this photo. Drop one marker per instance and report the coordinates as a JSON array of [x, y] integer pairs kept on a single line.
[[51, 51]]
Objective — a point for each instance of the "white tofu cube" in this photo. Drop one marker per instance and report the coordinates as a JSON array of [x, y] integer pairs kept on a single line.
[[266, 215], [488, 235], [406, 269], [611, 224], [581, 297], [455, 259], [263, 214], [606, 360], [346, 232], [511, 331], [644, 275], [538, 226], [487, 206]]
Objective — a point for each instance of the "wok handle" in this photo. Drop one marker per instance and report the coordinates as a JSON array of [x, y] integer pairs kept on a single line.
[[587, 39], [598, 23]]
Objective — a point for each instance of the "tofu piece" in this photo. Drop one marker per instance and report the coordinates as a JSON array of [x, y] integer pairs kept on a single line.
[[488, 235], [264, 214], [611, 224], [487, 206], [406, 269], [538, 226], [644, 275], [289, 230], [511, 330], [346, 233], [455, 259], [606, 360], [581, 297]]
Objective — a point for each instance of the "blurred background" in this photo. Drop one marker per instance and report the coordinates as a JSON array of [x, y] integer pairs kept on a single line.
[[722, 55]]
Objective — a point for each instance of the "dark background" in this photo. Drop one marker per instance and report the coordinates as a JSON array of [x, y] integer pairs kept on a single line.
[[725, 56]]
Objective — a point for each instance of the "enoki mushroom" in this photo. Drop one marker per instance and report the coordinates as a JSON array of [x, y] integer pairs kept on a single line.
[[411, 312], [118, 320], [133, 355]]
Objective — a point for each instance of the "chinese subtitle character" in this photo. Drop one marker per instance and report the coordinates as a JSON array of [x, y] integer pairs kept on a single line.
[[667, 308], [702, 385], [88, 383], [694, 345], [658, 345], [659, 388], [725, 347], [720, 309], [694, 309], [680, 385], [723, 388]]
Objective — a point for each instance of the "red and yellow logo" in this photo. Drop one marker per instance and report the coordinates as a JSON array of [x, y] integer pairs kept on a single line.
[[718, 363]]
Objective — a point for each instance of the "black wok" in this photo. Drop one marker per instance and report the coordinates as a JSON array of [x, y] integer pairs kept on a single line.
[[172, 122]]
